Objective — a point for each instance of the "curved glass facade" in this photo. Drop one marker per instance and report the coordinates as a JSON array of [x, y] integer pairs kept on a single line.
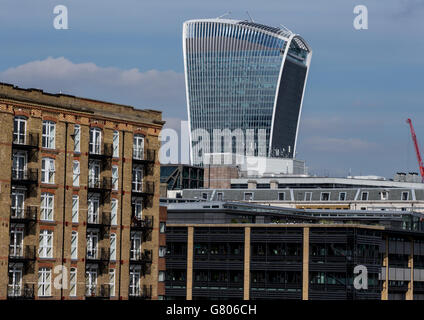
[[232, 75]]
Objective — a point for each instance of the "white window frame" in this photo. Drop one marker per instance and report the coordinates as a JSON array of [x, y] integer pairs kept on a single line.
[[73, 275], [340, 196], [95, 146], [47, 170], [162, 227], [44, 282], [75, 208], [19, 137], [135, 245], [407, 196], [115, 144], [284, 196], [134, 286], [114, 211], [94, 174], [115, 178], [19, 165], [162, 252], [16, 243], [247, 193], [91, 274], [138, 147], [74, 245], [308, 196], [137, 179], [321, 196], [15, 274], [138, 208], [77, 138], [112, 282], [93, 211], [47, 207], [76, 173], [161, 276], [362, 195], [92, 244], [49, 134], [17, 199], [45, 248], [113, 246]]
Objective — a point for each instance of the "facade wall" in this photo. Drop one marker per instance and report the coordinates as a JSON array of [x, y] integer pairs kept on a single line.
[[67, 112]]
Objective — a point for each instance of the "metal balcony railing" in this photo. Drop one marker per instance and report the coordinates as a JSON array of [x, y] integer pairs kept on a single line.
[[98, 220], [24, 176], [32, 140], [24, 214], [18, 291], [98, 183], [143, 223], [22, 253], [95, 255], [146, 187], [97, 291], [141, 257], [138, 293], [95, 151], [142, 155]]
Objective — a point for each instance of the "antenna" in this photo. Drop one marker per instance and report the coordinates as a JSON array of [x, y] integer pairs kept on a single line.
[[249, 16], [225, 14]]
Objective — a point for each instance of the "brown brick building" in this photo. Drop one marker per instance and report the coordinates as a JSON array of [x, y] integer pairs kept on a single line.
[[79, 188]]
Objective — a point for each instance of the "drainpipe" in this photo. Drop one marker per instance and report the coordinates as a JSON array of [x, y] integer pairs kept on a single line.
[[64, 204], [122, 206]]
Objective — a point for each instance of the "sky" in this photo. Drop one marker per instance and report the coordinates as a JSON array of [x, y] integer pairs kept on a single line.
[[362, 85]]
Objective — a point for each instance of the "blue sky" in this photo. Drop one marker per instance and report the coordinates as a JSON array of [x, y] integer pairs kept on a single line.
[[362, 84]]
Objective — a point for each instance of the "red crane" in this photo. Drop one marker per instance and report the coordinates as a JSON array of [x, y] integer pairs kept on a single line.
[[417, 149]]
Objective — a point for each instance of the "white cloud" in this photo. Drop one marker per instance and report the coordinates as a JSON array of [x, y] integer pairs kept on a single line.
[[162, 90]]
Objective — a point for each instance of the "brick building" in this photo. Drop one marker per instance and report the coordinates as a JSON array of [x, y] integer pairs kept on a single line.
[[79, 185]]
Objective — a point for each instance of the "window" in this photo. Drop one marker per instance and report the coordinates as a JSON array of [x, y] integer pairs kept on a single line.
[[45, 248], [113, 246], [342, 196], [114, 177], [137, 183], [77, 138], [248, 196], [47, 206], [93, 209], [47, 170], [75, 208], [138, 147], [281, 196], [19, 130], [364, 196], [135, 251], [14, 288], [325, 196], [114, 212], [116, 144], [94, 174], [95, 140], [134, 281], [76, 173], [384, 195], [204, 196], [74, 245], [44, 282], [161, 276], [138, 208], [73, 282], [16, 240], [405, 195], [92, 242], [162, 227], [308, 196], [19, 165], [162, 252], [17, 203], [112, 282], [49, 128], [91, 280], [220, 196]]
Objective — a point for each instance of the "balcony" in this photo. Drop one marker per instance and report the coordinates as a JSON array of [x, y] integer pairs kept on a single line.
[[142, 258], [142, 224], [99, 221], [22, 254], [96, 184], [139, 156], [31, 141], [96, 152], [143, 188], [141, 294], [97, 291], [20, 292], [101, 256], [24, 176], [23, 215]]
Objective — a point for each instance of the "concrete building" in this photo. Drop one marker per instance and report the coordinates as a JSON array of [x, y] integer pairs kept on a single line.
[[79, 185], [318, 193], [233, 250]]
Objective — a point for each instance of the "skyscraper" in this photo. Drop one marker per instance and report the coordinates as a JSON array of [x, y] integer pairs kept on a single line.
[[247, 76]]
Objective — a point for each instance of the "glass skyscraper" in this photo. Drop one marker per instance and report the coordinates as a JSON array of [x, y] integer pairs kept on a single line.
[[245, 77]]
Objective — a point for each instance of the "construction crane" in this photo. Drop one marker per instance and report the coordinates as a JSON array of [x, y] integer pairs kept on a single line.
[[417, 149]]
